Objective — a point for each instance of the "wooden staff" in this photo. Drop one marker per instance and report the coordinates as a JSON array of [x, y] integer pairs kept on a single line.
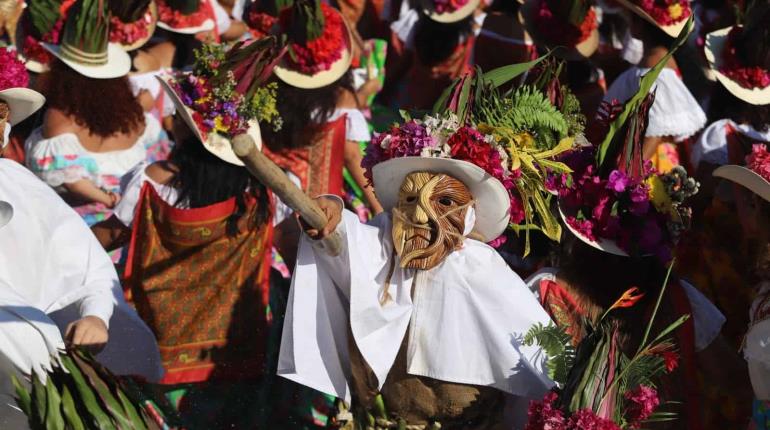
[[274, 178]]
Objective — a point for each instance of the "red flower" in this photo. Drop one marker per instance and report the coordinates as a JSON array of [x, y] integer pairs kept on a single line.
[[13, 74], [628, 299], [126, 33], [544, 415], [557, 30], [176, 19], [745, 76], [585, 419], [319, 54], [641, 404]]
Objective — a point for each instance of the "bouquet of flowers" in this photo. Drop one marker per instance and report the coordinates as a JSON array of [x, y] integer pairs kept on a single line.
[[599, 386]]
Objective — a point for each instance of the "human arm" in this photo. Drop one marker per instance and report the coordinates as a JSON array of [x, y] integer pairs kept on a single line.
[[111, 233], [85, 190]]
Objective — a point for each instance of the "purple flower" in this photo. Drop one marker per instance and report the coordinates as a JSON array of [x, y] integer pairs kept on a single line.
[[584, 227], [640, 199], [618, 181]]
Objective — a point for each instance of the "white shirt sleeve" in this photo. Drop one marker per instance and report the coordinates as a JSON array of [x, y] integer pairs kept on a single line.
[[130, 188], [221, 16], [707, 319]]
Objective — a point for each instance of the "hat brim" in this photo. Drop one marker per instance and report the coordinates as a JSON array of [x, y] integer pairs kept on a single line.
[[23, 102], [6, 213], [118, 62], [604, 245], [492, 201], [450, 17], [152, 9], [215, 143], [745, 178], [581, 51], [672, 30], [321, 79], [715, 45], [207, 25]]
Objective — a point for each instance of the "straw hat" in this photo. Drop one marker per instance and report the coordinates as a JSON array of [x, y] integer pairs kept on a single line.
[[672, 30], [746, 178], [308, 13], [86, 48], [142, 13], [716, 43], [168, 9], [581, 50], [429, 8], [21, 101]]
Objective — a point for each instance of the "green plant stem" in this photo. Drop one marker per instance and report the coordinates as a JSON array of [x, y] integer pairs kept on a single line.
[[657, 305]]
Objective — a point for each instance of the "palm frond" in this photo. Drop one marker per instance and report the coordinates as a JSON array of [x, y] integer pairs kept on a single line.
[[557, 345]]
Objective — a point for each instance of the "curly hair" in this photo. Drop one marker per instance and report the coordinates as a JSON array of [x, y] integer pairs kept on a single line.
[[104, 106]]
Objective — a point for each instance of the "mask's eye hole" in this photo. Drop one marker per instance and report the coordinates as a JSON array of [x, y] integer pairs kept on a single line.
[[445, 201], [411, 199]]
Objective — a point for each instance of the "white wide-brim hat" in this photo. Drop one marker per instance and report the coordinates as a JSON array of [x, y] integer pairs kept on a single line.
[[215, 143], [298, 79], [715, 44], [152, 10], [23, 102], [118, 63], [449, 17], [492, 202], [6, 213], [745, 177], [207, 25], [605, 245], [580, 51], [672, 30]]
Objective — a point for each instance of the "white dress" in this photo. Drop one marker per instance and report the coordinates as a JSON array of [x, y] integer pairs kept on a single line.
[[51, 262], [675, 111], [356, 126], [465, 318]]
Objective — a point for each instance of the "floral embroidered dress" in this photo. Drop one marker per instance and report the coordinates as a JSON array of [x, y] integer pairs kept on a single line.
[[674, 113], [63, 160]]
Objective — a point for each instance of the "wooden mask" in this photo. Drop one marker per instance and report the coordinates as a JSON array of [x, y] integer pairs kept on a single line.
[[429, 219]]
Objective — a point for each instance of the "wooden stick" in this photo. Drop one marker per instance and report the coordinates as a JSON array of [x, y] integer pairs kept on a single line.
[[274, 178]]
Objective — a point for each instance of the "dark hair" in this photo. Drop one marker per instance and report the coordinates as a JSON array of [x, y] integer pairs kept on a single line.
[[104, 106], [303, 113], [434, 42], [651, 35], [724, 104], [203, 179]]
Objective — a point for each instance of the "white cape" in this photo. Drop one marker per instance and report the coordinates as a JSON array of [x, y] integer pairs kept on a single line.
[[466, 317], [50, 261]]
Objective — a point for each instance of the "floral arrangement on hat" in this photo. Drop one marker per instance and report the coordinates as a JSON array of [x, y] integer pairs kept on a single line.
[[757, 161], [448, 6], [317, 36], [666, 12], [599, 387], [732, 66], [13, 74], [226, 88], [579, 15], [182, 13], [131, 21], [44, 23], [262, 16]]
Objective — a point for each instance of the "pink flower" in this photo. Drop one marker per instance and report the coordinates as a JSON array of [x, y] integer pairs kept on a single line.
[[641, 404], [759, 161], [586, 419], [618, 181], [544, 415], [584, 227], [13, 74]]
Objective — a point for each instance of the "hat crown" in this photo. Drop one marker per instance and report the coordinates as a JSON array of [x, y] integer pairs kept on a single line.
[[86, 33], [128, 11]]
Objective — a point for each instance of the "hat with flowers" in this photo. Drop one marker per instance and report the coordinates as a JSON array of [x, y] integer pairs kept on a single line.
[[225, 94], [501, 146], [319, 44], [42, 21], [614, 200], [668, 15], [448, 11], [132, 23], [571, 24], [735, 55], [185, 16], [755, 175], [22, 101], [262, 16]]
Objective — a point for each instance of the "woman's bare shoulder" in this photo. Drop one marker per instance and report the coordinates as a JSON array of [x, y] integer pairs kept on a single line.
[[57, 122], [161, 172]]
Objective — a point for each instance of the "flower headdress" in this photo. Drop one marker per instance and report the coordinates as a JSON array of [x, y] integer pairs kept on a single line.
[[22, 101], [725, 51], [512, 138], [262, 16], [448, 11], [225, 94], [668, 15], [571, 24], [42, 21], [132, 22], [319, 49], [614, 200], [755, 175], [185, 16]]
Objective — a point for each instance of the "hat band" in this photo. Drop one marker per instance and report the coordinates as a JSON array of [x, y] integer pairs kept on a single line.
[[90, 59]]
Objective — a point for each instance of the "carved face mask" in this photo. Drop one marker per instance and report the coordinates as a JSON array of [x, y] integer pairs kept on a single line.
[[429, 219]]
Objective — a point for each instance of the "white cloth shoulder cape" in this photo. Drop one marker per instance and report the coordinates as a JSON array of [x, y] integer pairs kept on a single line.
[[50, 261], [466, 317]]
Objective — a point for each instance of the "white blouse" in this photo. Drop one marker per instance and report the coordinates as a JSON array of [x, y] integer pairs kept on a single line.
[[711, 146], [356, 126], [675, 111]]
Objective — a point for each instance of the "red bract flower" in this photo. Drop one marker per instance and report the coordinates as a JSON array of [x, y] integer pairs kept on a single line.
[[319, 54], [628, 299], [670, 360], [759, 161], [586, 419], [642, 402], [544, 415], [260, 23], [13, 74], [745, 76], [176, 19]]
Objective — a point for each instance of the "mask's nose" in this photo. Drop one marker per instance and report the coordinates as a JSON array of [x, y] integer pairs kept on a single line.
[[419, 216]]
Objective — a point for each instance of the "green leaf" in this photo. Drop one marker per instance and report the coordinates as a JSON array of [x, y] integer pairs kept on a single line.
[[645, 85], [87, 365], [23, 398], [673, 326], [70, 411], [505, 74], [442, 101], [53, 415], [87, 396], [39, 400]]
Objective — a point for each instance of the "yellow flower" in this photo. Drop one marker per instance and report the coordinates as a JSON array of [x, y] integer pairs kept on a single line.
[[659, 197], [675, 11], [219, 125]]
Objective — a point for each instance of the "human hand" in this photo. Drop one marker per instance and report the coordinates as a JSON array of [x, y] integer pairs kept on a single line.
[[206, 36], [332, 208], [114, 198], [89, 331]]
